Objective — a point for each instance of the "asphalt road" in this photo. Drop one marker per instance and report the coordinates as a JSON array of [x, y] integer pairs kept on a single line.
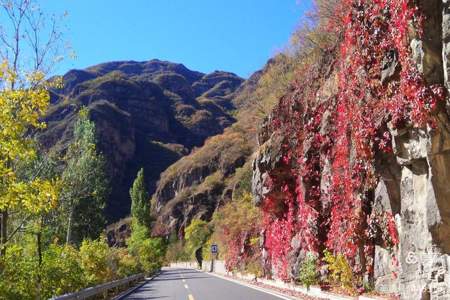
[[188, 284]]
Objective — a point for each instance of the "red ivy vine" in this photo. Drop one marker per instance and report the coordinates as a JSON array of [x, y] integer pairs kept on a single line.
[[330, 143]]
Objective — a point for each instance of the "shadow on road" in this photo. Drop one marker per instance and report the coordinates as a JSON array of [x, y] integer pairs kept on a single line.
[[183, 271], [179, 278], [145, 297], [180, 274]]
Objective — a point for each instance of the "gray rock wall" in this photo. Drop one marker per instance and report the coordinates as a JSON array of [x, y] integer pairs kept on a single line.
[[422, 163]]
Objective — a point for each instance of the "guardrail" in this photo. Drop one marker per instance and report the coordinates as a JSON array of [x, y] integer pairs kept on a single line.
[[99, 289]]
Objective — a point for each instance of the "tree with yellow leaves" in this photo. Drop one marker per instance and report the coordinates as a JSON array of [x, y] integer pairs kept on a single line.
[[30, 44], [21, 111]]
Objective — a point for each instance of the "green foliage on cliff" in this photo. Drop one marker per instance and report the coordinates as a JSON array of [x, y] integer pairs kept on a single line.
[[236, 227], [196, 235]]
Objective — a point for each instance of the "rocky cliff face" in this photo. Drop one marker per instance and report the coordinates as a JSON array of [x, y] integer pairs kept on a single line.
[[356, 159], [197, 184], [147, 114]]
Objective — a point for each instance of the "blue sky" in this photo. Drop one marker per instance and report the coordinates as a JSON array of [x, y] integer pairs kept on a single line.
[[205, 35]]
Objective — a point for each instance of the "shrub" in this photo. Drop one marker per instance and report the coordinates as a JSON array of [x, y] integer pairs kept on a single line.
[[308, 274], [254, 266], [212, 181], [64, 269], [127, 264], [18, 275], [139, 233], [61, 271], [96, 260], [340, 270]]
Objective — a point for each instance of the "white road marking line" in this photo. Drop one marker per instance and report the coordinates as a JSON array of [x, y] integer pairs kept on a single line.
[[190, 297], [186, 286], [184, 280]]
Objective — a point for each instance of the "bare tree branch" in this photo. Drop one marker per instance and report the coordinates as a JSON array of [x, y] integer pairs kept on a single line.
[[29, 39], [16, 230]]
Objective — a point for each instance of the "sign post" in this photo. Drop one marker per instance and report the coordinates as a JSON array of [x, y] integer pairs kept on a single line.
[[214, 251]]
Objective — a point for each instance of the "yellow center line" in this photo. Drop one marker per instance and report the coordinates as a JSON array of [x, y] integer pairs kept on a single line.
[[190, 297]]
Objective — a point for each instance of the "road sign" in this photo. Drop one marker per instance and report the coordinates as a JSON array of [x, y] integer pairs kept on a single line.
[[214, 249]]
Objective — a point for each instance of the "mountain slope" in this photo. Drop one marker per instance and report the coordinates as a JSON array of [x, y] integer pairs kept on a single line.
[[197, 184], [147, 114]]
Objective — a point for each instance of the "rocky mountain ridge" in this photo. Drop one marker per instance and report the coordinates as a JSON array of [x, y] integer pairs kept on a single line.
[[147, 114]]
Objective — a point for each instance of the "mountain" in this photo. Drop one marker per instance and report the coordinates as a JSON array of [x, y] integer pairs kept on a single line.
[[147, 114]]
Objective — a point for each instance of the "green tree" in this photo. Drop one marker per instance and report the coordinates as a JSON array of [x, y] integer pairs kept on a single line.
[[139, 233], [150, 252], [84, 183], [140, 200], [308, 273]]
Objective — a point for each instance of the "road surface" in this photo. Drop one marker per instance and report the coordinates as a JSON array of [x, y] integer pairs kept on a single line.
[[188, 284]]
